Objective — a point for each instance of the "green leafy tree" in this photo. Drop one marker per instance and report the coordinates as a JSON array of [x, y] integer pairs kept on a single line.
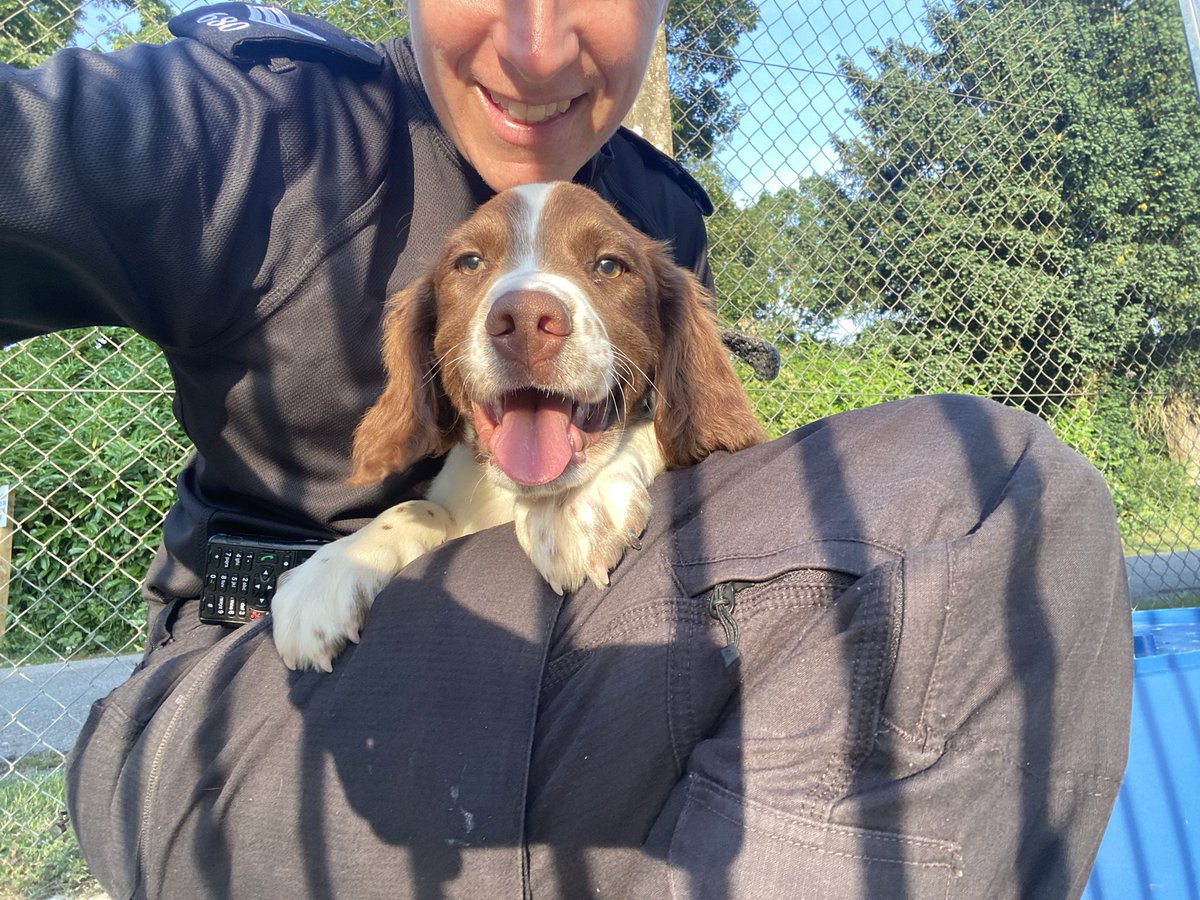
[[778, 267], [1132, 183], [702, 37], [1023, 197], [955, 201], [90, 449], [30, 30]]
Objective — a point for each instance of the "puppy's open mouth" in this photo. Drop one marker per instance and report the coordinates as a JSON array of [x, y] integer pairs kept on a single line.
[[533, 435]]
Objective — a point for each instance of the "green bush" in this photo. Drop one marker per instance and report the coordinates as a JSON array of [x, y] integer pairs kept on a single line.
[[1158, 506], [90, 450], [819, 378]]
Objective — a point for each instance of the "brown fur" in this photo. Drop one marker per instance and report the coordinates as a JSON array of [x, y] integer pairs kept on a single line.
[[412, 418], [702, 406], [659, 317]]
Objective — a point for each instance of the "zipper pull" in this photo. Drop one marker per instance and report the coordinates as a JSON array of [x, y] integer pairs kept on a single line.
[[720, 607]]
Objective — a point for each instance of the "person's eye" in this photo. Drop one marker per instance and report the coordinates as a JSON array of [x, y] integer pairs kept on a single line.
[[470, 264], [610, 268]]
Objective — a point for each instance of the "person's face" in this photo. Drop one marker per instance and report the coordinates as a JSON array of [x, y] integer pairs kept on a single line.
[[529, 90]]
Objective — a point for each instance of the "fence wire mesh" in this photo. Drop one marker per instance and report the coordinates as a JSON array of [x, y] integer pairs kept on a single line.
[[1001, 198]]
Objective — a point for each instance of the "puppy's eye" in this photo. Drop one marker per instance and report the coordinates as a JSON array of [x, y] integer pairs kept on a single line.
[[470, 264], [610, 268]]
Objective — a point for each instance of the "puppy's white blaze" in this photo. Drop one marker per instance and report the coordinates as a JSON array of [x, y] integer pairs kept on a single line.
[[533, 197], [524, 222], [588, 355], [533, 279]]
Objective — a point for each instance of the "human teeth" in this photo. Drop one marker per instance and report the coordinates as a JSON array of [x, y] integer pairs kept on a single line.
[[526, 114]]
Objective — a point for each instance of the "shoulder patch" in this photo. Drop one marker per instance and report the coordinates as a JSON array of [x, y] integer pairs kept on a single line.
[[655, 157], [250, 32]]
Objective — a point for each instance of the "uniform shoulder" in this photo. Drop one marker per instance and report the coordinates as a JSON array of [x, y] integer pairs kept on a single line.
[[630, 148], [251, 33]]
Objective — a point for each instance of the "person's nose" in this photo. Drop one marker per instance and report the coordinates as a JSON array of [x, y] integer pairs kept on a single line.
[[537, 38]]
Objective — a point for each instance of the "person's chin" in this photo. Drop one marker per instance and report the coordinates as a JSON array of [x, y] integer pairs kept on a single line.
[[502, 171]]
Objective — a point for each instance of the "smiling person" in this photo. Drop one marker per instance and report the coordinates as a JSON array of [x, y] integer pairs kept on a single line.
[[887, 655]]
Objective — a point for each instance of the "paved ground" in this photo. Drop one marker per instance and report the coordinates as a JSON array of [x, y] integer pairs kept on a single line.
[[1163, 576], [43, 707]]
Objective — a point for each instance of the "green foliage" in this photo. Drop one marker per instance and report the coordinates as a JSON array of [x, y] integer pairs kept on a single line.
[[90, 449], [30, 30], [1025, 198], [702, 36], [1018, 217], [777, 266], [819, 378], [954, 197], [1158, 506], [1131, 177], [368, 20]]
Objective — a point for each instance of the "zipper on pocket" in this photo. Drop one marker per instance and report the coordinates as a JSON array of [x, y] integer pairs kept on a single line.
[[721, 602]]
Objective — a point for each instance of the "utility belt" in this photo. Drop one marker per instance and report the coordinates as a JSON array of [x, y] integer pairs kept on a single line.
[[241, 574]]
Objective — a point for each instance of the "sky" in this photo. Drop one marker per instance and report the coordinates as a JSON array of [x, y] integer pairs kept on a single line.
[[789, 85]]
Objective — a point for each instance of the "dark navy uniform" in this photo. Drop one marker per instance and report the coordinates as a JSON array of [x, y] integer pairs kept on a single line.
[[246, 197]]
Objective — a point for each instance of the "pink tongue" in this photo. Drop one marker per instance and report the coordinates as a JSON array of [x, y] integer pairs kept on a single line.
[[530, 443]]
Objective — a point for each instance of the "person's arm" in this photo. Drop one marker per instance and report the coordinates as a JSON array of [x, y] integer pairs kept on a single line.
[[146, 187], [104, 188]]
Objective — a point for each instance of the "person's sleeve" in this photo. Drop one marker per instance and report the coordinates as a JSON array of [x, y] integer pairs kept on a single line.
[[147, 187]]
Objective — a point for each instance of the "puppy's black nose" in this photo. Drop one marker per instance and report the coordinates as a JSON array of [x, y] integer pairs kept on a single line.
[[528, 327]]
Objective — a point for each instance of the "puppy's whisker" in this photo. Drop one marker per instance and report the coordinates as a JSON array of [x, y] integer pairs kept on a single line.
[[439, 364], [630, 366], [478, 481]]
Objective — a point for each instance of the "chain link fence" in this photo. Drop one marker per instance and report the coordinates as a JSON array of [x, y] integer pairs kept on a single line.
[[1001, 198]]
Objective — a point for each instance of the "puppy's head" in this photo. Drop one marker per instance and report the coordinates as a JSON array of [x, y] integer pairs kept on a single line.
[[546, 325]]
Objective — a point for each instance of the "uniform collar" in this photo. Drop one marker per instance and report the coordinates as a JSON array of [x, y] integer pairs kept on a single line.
[[593, 170]]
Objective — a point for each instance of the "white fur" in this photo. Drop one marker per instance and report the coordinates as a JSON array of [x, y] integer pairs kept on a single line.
[[570, 537]]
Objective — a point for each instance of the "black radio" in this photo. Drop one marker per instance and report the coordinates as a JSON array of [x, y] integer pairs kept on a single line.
[[241, 573]]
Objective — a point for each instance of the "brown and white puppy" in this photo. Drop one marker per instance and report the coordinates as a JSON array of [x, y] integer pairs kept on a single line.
[[563, 361]]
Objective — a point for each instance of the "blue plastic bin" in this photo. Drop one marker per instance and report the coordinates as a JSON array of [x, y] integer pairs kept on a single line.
[[1152, 845]]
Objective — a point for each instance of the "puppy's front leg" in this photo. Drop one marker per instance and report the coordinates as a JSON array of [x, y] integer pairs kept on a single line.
[[321, 604]]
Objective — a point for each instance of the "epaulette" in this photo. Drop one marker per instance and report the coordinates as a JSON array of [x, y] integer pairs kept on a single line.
[[251, 33], [656, 158]]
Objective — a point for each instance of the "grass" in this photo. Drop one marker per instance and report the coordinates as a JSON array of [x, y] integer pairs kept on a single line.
[[1175, 601], [39, 857]]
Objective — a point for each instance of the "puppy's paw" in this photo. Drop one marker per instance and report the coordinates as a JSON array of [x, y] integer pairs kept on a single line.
[[321, 604]]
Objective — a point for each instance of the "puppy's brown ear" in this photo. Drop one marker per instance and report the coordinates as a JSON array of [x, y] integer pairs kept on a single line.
[[701, 404], [412, 418]]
